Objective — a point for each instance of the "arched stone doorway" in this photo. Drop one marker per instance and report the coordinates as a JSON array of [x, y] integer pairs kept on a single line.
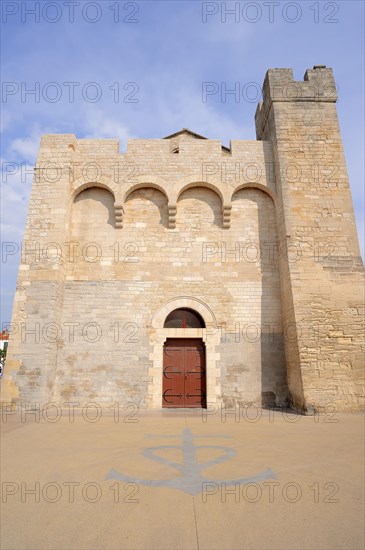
[[186, 328], [184, 369]]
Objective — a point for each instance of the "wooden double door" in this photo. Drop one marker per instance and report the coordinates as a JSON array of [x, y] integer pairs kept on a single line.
[[184, 376]]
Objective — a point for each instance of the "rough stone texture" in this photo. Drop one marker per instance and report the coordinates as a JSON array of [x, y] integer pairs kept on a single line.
[[323, 292], [259, 239]]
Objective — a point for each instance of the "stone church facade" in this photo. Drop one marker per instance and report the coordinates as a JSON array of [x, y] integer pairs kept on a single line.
[[184, 273]]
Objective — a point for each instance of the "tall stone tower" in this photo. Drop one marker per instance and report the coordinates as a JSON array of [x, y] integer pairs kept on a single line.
[[182, 273], [322, 277]]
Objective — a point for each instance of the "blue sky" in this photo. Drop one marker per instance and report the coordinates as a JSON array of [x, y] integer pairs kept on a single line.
[[167, 53]]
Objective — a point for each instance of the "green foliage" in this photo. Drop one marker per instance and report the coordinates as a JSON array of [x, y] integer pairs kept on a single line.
[[3, 352]]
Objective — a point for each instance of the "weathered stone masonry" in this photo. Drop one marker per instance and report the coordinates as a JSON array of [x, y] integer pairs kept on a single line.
[[259, 239]]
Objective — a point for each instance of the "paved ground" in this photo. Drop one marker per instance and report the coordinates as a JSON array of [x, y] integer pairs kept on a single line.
[[284, 481]]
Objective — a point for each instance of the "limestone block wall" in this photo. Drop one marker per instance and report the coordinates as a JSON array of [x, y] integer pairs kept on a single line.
[[323, 283], [166, 222], [37, 310], [259, 239], [146, 264]]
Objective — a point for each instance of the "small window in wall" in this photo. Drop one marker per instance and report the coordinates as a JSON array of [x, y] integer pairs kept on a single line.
[[184, 318]]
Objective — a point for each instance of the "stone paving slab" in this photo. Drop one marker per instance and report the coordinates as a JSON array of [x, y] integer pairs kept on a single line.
[[282, 481]]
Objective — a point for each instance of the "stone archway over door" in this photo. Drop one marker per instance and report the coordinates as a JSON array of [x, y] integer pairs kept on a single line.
[[159, 334], [184, 373]]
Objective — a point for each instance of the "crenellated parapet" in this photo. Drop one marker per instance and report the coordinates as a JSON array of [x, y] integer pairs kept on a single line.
[[247, 165], [258, 234], [279, 86]]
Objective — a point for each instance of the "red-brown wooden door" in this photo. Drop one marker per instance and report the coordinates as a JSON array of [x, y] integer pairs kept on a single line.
[[184, 380]]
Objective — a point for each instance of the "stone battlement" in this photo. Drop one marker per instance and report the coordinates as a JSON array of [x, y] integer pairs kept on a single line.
[[255, 242], [279, 85]]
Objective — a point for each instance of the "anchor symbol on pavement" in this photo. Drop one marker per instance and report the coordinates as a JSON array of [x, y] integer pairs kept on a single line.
[[191, 480]]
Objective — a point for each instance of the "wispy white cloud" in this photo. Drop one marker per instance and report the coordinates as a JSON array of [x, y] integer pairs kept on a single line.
[[100, 124], [5, 120], [15, 192], [26, 148]]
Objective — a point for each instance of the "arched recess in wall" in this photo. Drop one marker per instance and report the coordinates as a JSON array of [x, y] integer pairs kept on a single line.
[[199, 206], [147, 184], [80, 185], [145, 206], [93, 217], [205, 184], [253, 216], [254, 226], [259, 186]]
